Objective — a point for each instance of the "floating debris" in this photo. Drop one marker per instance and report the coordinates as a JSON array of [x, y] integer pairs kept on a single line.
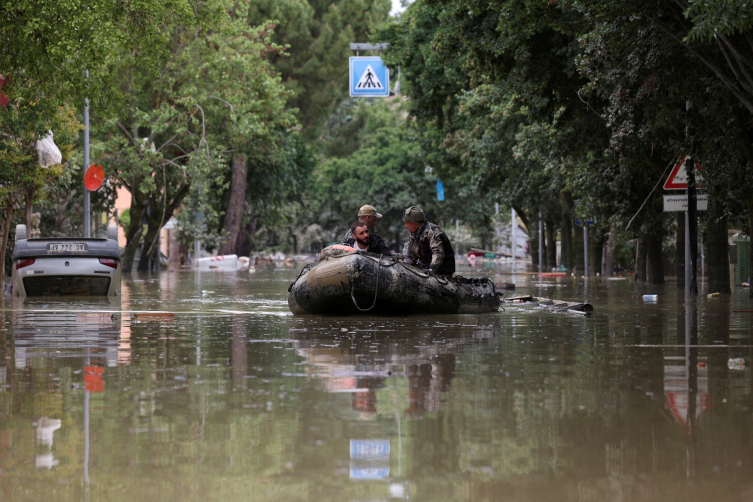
[[583, 308], [508, 286], [153, 316]]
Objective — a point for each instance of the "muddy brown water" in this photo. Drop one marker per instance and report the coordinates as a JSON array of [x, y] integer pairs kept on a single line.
[[236, 399]]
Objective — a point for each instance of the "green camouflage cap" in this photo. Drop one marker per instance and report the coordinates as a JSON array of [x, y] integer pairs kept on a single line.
[[414, 214]]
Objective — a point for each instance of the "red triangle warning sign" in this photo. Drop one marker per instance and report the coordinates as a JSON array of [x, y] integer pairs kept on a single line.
[[678, 178]]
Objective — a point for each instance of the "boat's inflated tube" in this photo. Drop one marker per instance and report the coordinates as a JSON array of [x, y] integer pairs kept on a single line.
[[346, 282]]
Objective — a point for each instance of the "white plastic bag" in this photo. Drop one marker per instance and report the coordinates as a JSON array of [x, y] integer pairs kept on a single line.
[[49, 154]]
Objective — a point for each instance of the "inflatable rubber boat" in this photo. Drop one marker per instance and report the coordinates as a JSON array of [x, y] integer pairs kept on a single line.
[[347, 281]]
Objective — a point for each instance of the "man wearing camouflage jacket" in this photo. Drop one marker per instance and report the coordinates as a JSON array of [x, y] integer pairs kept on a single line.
[[429, 247]]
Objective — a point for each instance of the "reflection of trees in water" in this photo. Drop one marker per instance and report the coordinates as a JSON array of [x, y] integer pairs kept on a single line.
[[362, 361], [576, 415], [428, 383]]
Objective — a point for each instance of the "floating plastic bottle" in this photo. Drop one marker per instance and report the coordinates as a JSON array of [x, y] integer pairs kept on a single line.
[[650, 298], [736, 363]]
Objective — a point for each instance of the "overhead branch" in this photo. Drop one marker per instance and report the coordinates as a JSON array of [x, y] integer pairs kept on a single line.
[[127, 134], [725, 80], [167, 142], [746, 85], [231, 106], [740, 57], [650, 194]]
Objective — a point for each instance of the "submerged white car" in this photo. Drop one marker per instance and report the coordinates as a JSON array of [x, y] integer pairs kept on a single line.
[[66, 266]]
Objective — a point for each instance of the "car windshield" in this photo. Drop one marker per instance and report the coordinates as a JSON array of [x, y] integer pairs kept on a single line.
[[66, 286]]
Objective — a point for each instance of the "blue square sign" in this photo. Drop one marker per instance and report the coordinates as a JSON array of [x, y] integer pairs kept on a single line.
[[369, 78]]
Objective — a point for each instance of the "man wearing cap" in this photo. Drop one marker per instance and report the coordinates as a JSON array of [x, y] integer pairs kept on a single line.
[[429, 247], [368, 215]]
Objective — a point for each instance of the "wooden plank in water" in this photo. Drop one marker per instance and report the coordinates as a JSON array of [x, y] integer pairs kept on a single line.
[[95, 318], [153, 316], [519, 298]]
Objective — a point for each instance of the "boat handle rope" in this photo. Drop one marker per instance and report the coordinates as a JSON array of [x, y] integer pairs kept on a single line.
[[304, 269], [376, 290]]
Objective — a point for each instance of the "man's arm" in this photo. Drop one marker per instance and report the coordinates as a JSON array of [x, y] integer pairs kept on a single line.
[[377, 246], [437, 249], [348, 240], [410, 258]]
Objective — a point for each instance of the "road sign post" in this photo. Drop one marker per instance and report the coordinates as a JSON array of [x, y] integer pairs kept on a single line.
[[682, 178], [693, 227], [87, 200]]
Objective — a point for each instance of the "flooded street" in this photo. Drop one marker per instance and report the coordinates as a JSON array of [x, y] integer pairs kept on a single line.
[[234, 398]]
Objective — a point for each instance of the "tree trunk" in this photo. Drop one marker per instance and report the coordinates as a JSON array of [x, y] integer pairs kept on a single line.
[[147, 249], [133, 238], [551, 247], [680, 251], [566, 253], [717, 248], [579, 262], [750, 245], [654, 256], [543, 246], [534, 238], [29, 196], [609, 257], [641, 251], [597, 244], [236, 206], [6, 233]]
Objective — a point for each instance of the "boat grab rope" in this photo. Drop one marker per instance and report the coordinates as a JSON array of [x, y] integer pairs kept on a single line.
[[376, 290], [303, 270]]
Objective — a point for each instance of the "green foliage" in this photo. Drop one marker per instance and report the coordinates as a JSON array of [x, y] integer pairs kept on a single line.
[[727, 17], [48, 45], [317, 34], [374, 159], [22, 181], [216, 96]]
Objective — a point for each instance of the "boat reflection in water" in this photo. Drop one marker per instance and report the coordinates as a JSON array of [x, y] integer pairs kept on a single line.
[[358, 361], [417, 360]]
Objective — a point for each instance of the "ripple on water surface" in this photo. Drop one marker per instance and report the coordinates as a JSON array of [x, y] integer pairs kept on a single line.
[[233, 398]]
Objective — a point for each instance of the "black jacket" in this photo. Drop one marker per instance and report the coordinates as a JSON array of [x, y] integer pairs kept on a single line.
[[376, 244]]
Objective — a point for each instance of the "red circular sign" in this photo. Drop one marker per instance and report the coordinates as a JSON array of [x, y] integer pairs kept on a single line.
[[94, 177]]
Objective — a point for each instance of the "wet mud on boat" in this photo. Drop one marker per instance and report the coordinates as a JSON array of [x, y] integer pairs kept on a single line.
[[352, 282]]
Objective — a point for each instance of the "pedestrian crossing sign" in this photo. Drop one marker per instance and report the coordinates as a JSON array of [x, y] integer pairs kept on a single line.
[[369, 78]]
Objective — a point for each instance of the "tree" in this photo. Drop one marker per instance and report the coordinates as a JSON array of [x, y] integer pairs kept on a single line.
[[47, 46], [215, 105], [22, 124], [317, 34]]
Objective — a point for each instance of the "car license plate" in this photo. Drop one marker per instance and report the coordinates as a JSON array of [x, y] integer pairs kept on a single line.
[[66, 247]]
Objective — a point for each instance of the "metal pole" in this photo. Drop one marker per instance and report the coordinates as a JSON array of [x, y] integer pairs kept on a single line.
[[585, 247], [87, 200], [512, 235], [498, 246], [703, 265], [692, 225], [687, 253], [541, 244]]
